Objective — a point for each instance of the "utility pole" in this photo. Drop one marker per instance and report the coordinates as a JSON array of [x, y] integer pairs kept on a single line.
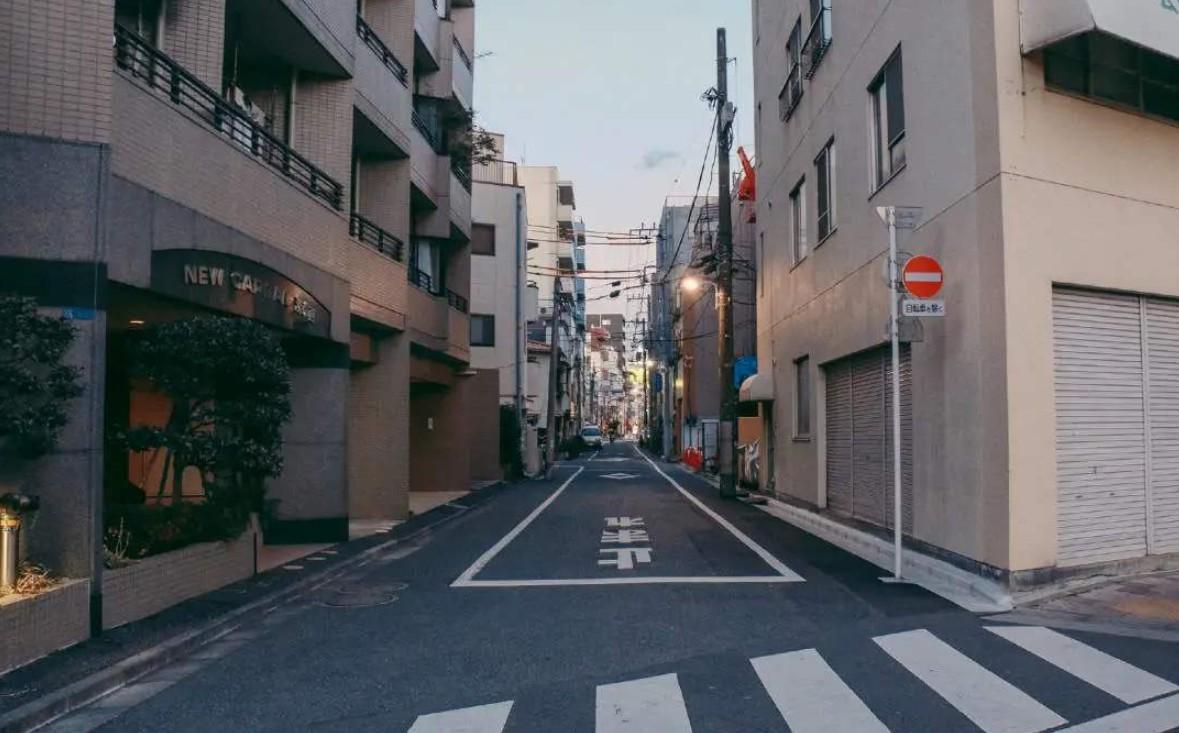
[[646, 388], [554, 357], [726, 434]]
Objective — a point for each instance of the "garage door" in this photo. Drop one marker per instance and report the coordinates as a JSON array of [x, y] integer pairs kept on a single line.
[[859, 440], [1117, 426]]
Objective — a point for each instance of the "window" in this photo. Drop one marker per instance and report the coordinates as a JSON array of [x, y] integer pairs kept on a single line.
[[825, 190], [565, 195], [798, 222], [1102, 67], [482, 239], [887, 93], [820, 19], [791, 92], [802, 398], [426, 270], [482, 330]]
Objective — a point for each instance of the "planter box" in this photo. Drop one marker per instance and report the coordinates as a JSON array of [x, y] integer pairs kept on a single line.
[[33, 626], [154, 583]]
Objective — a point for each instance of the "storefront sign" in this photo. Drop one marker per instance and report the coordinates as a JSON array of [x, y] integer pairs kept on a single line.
[[237, 285]]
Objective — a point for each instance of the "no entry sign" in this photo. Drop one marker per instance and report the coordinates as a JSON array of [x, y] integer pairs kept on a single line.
[[922, 276]]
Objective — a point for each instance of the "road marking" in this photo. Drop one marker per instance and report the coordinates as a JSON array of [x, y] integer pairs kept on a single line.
[[642, 706], [654, 580], [465, 579], [619, 476], [625, 557], [482, 719], [624, 536], [624, 522], [991, 703], [761, 552], [1108, 674], [811, 697], [1159, 716]]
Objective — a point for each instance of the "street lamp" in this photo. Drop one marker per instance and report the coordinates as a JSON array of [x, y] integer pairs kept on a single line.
[[691, 283]]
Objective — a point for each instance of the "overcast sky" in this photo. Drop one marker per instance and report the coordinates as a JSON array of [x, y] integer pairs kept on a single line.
[[609, 91]]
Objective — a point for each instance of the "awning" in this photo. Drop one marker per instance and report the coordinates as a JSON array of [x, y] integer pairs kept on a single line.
[[1152, 24], [758, 388]]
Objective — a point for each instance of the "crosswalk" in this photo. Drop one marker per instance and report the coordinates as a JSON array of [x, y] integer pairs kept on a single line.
[[811, 697]]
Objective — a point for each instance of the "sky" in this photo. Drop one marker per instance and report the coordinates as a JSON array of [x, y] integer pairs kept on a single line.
[[609, 91]]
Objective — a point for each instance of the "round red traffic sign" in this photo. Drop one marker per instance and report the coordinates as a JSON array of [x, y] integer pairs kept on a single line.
[[922, 276]]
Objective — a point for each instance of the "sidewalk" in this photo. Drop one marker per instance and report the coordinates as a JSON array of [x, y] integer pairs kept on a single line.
[[67, 679], [1145, 605]]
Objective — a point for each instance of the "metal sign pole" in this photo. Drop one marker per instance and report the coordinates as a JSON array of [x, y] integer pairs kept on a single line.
[[895, 330]]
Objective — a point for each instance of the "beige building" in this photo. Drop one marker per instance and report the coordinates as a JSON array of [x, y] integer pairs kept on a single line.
[[302, 144], [1039, 415]]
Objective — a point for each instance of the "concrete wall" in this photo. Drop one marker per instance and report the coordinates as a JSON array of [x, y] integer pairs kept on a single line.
[[378, 433], [483, 416], [834, 303], [440, 437], [495, 283], [154, 583], [1090, 198]]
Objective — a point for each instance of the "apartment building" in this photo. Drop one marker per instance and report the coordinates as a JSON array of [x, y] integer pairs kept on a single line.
[[1038, 421], [285, 161], [556, 253], [500, 307]]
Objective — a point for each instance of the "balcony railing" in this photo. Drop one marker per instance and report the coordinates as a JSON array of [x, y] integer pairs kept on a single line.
[[458, 302], [171, 81], [376, 237], [495, 171], [421, 279], [430, 133], [373, 41], [462, 174], [817, 43], [462, 53], [791, 93]]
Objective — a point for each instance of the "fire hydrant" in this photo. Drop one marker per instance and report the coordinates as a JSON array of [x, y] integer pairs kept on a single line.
[[12, 508]]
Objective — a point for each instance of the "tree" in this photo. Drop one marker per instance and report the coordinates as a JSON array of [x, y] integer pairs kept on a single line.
[[468, 145], [229, 384], [34, 384]]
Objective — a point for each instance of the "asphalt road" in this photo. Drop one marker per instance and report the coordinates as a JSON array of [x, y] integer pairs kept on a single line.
[[620, 599]]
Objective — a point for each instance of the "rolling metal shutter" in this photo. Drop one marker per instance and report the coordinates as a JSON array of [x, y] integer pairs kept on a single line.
[[859, 446], [1100, 427], [839, 437], [1162, 349]]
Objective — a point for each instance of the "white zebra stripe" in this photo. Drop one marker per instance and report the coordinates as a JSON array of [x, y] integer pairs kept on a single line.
[[481, 719], [811, 697], [642, 706]]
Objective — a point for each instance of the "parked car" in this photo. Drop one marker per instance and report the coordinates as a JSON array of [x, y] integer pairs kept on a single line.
[[592, 435]]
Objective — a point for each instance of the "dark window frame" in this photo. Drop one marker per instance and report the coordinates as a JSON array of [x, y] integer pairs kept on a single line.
[[825, 193], [803, 387], [488, 321], [886, 96], [1153, 78], [482, 227]]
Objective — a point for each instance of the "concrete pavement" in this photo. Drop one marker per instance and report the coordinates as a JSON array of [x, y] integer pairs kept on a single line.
[[616, 598]]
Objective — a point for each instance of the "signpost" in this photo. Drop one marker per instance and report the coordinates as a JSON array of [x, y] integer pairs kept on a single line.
[[922, 276], [897, 217]]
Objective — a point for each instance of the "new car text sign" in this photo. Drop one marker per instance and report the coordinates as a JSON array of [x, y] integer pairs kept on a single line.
[[922, 276]]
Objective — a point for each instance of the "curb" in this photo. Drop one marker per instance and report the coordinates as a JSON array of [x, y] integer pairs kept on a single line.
[[67, 699], [970, 591]]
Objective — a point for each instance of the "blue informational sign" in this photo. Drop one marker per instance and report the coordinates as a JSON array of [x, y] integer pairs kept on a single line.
[[743, 368], [78, 314], [656, 382]]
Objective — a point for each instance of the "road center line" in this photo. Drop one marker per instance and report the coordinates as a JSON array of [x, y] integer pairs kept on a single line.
[[498, 547], [760, 551]]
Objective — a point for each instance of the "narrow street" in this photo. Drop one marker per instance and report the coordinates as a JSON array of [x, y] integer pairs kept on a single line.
[[622, 596]]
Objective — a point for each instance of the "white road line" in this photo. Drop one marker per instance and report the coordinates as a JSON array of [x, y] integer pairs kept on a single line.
[[991, 703], [642, 706], [761, 552], [1108, 674], [464, 579], [811, 697], [654, 580], [1159, 716], [482, 719]]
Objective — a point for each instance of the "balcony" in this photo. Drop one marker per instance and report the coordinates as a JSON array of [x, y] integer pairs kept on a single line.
[[460, 204], [374, 42], [817, 42], [462, 77], [500, 172], [426, 23], [166, 79], [791, 93], [458, 302], [422, 280], [374, 236], [429, 131]]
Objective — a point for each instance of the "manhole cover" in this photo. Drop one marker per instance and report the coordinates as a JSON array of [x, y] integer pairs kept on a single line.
[[361, 596]]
